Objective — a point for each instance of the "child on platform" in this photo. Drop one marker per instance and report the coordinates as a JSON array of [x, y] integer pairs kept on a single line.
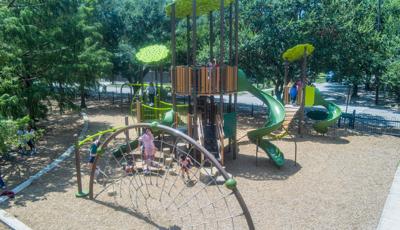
[[149, 149]]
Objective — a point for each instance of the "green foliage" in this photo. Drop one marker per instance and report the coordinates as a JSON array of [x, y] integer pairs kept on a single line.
[[8, 133], [297, 52], [184, 8], [153, 55], [392, 78]]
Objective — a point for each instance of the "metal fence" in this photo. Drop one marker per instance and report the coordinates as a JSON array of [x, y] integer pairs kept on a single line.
[[370, 123]]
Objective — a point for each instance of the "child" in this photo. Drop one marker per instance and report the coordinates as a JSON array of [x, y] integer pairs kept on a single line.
[[92, 155], [31, 141], [186, 163], [151, 93], [293, 93], [2, 183], [21, 140], [149, 149]]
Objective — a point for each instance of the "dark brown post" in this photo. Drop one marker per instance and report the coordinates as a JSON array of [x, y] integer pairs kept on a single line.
[[127, 134], [286, 72], [303, 78], [286, 98], [211, 21], [222, 54], [173, 54], [230, 34], [236, 69], [188, 58], [141, 82], [194, 46], [80, 193]]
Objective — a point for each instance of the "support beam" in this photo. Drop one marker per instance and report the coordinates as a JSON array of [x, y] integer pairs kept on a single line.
[[194, 47], [222, 54]]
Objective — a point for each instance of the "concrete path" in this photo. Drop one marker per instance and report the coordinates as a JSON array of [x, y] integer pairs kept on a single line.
[[390, 219], [364, 104]]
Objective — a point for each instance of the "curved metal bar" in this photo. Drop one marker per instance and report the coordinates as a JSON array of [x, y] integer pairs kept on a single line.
[[191, 141]]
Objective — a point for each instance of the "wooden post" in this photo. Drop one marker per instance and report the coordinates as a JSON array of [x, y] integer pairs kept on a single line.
[[138, 111], [141, 82], [258, 142], [80, 192], [127, 134]]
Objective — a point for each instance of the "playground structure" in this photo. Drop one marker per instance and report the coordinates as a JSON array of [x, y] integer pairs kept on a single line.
[[308, 95], [197, 130], [208, 198]]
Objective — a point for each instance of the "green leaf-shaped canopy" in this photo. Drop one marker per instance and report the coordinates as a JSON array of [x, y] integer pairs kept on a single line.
[[296, 52], [183, 8], [153, 54]]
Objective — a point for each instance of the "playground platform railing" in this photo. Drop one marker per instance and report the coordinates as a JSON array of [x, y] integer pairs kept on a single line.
[[204, 80]]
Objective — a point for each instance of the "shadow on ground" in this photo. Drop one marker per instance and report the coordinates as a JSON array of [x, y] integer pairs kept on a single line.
[[261, 169]]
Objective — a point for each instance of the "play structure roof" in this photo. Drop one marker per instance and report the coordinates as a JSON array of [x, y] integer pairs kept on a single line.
[[183, 8], [296, 52], [152, 55]]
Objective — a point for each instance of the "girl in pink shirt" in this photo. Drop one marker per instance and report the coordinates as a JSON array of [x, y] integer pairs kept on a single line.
[[149, 149]]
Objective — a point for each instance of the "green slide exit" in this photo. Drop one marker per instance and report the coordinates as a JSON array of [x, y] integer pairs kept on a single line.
[[276, 117]]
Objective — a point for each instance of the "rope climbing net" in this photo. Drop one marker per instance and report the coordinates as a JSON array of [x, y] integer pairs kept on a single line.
[[182, 187]]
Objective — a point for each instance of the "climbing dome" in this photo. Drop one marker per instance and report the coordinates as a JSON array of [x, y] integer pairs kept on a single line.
[[165, 197]]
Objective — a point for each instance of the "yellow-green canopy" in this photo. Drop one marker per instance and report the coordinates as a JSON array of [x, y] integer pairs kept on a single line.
[[296, 52], [183, 8], [153, 54]]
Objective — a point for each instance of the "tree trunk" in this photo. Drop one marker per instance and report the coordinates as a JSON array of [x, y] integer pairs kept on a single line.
[[30, 104], [82, 94], [62, 97], [355, 90]]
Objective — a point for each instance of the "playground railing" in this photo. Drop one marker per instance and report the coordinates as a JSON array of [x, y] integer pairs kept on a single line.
[[204, 80]]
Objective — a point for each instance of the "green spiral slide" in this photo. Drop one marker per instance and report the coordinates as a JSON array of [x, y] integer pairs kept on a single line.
[[275, 119], [334, 113]]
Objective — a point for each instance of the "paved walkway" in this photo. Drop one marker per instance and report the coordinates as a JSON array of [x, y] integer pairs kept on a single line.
[[364, 104], [390, 219]]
